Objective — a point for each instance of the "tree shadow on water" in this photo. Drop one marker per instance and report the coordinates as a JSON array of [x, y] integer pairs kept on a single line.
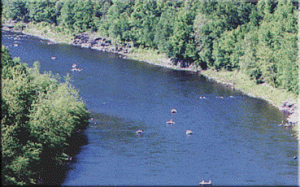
[[54, 174]]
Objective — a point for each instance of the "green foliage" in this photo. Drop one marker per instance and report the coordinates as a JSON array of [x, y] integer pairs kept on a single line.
[[15, 10], [144, 20], [42, 10], [117, 21], [264, 48], [39, 116], [165, 28], [257, 39], [214, 18], [19, 26], [249, 59], [228, 49], [66, 18], [183, 43], [7, 63], [76, 15], [83, 15]]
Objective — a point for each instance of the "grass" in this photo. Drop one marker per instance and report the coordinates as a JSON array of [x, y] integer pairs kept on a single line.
[[47, 31], [148, 55], [241, 82], [153, 57]]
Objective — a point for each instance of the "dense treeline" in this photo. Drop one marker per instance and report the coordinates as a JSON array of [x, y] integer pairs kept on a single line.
[[259, 40], [39, 118]]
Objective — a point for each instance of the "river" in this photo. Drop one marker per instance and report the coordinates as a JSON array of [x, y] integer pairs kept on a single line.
[[235, 140]]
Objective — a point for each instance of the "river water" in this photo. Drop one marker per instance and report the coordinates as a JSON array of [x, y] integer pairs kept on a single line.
[[235, 140]]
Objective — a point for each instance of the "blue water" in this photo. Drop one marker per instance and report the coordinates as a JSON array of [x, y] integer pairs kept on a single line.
[[236, 140]]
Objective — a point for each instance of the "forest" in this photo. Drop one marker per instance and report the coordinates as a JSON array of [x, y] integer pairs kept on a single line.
[[259, 40], [40, 121], [256, 38], [41, 116]]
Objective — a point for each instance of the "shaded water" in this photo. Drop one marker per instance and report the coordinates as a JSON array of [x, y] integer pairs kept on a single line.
[[236, 140]]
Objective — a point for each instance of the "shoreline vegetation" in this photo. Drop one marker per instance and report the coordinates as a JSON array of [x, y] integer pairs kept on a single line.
[[251, 46], [41, 123], [285, 101], [234, 79]]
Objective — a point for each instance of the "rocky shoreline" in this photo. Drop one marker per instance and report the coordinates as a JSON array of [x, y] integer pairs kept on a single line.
[[100, 43], [103, 44], [290, 108]]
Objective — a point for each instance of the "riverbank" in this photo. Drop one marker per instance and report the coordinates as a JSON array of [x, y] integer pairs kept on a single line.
[[283, 100]]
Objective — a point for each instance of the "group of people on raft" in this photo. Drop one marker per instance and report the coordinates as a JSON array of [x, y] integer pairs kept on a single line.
[[75, 68], [170, 123], [188, 132]]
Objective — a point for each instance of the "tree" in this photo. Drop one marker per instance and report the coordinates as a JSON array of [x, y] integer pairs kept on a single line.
[[42, 10], [214, 18], [183, 43], [143, 20], [39, 117], [101, 8], [228, 48], [165, 28], [15, 10], [17, 96], [66, 18], [83, 13]]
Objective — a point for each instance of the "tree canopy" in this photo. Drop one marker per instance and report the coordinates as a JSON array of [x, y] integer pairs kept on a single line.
[[39, 116], [253, 38]]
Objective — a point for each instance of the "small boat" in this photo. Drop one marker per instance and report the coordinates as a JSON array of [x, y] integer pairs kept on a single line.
[[53, 57], [139, 132], [202, 97], [170, 122], [76, 69], [188, 132], [173, 110], [205, 183], [74, 65], [16, 45]]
